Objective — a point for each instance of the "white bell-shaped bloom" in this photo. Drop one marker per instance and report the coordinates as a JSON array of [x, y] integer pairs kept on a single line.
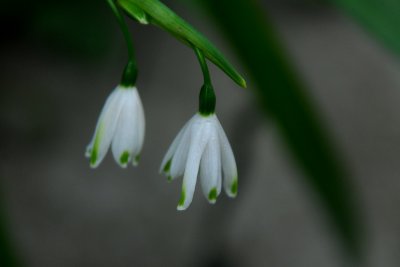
[[202, 149], [122, 125]]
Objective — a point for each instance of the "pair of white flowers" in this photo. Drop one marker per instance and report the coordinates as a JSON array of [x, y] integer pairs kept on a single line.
[[200, 149]]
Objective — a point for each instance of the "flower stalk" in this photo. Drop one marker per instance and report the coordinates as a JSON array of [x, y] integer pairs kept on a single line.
[[207, 99], [129, 75]]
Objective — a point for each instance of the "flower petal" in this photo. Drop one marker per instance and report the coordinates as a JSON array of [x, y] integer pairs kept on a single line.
[[228, 164], [126, 132], [141, 128], [109, 100], [210, 168], [105, 128], [171, 150], [179, 159], [199, 132]]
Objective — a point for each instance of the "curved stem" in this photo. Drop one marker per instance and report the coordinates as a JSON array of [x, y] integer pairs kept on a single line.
[[130, 72], [124, 29], [203, 65], [207, 99]]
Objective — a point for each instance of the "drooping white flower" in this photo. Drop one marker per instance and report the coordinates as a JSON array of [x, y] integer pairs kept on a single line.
[[202, 149], [122, 125]]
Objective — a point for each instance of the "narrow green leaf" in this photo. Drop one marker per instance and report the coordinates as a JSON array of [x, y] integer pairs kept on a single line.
[[70, 28], [282, 96], [138, 14], [380, 17], [162, 16]]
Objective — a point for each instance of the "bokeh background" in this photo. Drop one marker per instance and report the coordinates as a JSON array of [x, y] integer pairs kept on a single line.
[[316, 136]]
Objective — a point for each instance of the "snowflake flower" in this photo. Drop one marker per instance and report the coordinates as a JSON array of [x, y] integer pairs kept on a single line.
[[122, 125], [202, 149]]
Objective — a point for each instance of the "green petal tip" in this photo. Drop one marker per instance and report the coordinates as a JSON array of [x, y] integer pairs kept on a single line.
[[167, 166], [124, 159], [212, 196], [234, 187], [182, 199]]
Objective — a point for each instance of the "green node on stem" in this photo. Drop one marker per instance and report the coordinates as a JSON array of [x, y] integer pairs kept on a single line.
[[130, 75]]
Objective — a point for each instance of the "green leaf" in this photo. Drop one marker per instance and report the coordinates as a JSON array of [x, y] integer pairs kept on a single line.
[[282, 95], [379, 17], [138, 14], [162, 16]]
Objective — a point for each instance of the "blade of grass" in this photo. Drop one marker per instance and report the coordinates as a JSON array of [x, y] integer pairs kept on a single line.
[[380, 17], [165, 18], [282, 95]]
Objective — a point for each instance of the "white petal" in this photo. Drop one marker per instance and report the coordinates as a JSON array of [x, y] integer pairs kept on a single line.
[[228, 165], [171, 150], [141, 128], [210, 168], [105, 128], [109, 100], [179, 159], [126, 132], [198, 140]]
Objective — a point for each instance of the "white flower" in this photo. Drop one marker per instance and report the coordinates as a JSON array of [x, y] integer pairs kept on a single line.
[[201, 147], [121, 125]]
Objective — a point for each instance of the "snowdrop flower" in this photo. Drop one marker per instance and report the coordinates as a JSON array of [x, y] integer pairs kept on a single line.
[[202, 149], [122, 125]]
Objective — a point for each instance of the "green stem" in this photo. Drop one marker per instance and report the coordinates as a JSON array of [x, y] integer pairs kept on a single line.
[[203, 65], [130, 72], [207, 99], [124, 29]]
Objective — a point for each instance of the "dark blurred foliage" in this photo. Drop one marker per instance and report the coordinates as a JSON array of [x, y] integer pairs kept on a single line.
[[282, 95], [77, 29], [379, 17], [7, 252]]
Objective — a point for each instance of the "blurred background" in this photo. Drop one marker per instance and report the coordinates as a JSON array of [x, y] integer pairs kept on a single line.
[[316, 136]]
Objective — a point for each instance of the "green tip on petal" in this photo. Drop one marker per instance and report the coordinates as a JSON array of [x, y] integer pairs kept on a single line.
[[167, 167], [212, 196], [93, 157], [124, 159], [169, 178], [234, 187], [182, 199], [136, 160], [95, 149]]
